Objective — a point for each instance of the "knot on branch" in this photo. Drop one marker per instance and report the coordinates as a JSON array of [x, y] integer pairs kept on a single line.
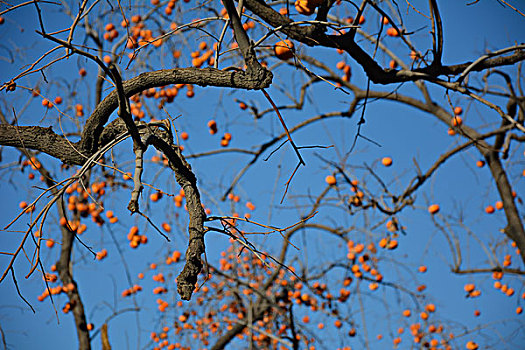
[[260, 76], [187, 279]]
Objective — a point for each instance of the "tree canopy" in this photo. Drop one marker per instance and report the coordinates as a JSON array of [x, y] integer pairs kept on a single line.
[[317, 174]]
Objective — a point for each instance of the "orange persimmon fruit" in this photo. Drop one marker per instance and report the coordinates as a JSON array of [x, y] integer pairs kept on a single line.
[[430, 307], [469, 287], [304, 7], [392, 32], [471, 345], [330, 180], [433, 209], [457, 121], [392, 64], [386, 161], [284, 49]]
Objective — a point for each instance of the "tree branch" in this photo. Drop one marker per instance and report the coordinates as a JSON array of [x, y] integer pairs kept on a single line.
[[202, 77], [314, 36], [41, 139]]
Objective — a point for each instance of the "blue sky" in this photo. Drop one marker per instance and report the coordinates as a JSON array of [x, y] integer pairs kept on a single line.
[[403, 134]]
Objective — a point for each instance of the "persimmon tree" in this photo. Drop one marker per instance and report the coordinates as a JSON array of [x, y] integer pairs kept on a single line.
[[280, 175]]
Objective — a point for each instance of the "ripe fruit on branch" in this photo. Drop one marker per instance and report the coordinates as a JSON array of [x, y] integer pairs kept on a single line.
[[331, 180], [284, 49], [392, 244], [302, 7], [212, 124], [392, 64], [457, 121], [386, 161], [472, 345], [392, 32], [224, 142], [166, 227], [47, 103], [307, 7], [433, 209]]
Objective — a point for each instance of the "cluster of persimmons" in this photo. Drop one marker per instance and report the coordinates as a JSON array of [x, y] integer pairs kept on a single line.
[[217, 307]]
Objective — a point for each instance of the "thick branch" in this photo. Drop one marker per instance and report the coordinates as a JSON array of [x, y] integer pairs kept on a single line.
[[47, 141], [259, 311], [41, 139], [187, 279], [437, 33], [195, 76], [124, 110], [64, 266], [64, 269], [314, 36], [514, 229]]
